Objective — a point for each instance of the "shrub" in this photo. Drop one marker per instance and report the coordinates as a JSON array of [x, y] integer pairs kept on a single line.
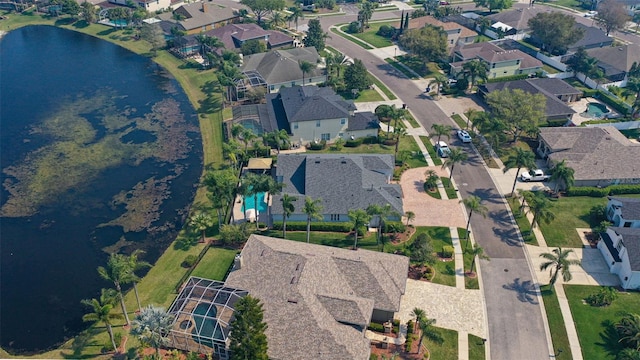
[[369, 140], [117, 338], [374, 357], [615, 103], [604, 297], [589, 92], [386, 31], [354, 27], [394, 227], [409, 328], [376, 327], [315, 226], [408, 344], [588, 191], [317, 145], [598, 213], [353, 143], [508, 78], [624, 189], [447, 251], [189, 261]]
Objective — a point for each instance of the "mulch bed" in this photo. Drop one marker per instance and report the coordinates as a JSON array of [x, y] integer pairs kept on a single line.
[[403, 237], [399, 350], [592, 237]]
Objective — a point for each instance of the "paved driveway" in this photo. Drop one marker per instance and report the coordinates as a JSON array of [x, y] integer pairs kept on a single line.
[[429, 210], [592, 271]]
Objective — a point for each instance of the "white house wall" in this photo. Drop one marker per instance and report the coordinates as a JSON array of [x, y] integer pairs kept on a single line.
[[304, 132], [274, 88]]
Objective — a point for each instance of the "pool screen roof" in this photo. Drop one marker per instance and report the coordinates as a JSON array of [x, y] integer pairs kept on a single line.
[[203, 312]]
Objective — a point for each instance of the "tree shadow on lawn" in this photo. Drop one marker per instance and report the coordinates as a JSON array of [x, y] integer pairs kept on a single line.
[[525, 290], [109, 31], [210, 105], [610, 339]]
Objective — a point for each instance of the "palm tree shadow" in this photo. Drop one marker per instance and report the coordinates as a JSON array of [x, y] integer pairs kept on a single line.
[[508, 236], [610, 338], [525, 290]]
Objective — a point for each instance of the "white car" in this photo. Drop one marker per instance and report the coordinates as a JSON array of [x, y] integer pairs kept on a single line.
[[590, 14], [443, 149], [534, 175], [464, 136]]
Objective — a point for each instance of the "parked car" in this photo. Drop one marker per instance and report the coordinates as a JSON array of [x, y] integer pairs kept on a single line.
[[464, 136], [590, 14], [534, 175], [443, 149]]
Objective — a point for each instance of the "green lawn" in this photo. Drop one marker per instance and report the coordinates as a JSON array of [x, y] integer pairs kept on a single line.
[[447, 349], [448, 187], [351, 38], [432, 152], [440, 236], [412, 121], [556, 324], [370, 36], [523, 224], [550, 69], [363, 96], [407, 143], [571, 213], [401, 68], [335, 239], [459, 121], [598, 338], [416, 64], [476, 348], [383, 87], [214, 264], [469, 282]]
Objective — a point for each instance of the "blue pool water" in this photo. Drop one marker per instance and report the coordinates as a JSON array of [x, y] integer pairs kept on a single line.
[[206, 329], [596, 110], [249, 203]]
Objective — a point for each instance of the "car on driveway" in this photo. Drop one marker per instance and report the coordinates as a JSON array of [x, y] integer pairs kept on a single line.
[[464, 136], [590, 14], [534, 175], [443, 149]]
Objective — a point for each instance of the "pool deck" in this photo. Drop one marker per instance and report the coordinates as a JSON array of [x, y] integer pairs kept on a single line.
[[581, 105], [239, 216]]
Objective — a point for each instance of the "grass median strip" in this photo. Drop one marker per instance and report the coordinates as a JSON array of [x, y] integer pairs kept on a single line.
[[401, 68], [350, 38], [556, 324], [522, 221], [432, 152], [383, 87]]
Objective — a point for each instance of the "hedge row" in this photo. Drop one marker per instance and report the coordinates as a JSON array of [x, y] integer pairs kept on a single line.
[[508, 78], [390, 226], [602, 192], [618, 105]]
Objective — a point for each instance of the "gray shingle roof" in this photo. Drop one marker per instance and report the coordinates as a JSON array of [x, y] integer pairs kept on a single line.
[[202, 13], [363, 120], [594, 153], [312, 292], [492, 53], [618, 58], [356, 181], [631, 240], [309, 103], [593, 36], [281, 66], [630, 209], [517, 18]]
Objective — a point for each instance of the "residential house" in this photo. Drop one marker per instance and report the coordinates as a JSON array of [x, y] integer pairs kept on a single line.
[[281, 68], [620, 247], [599, 156], [593, 38], [342, 182], [318, 300], [149, 5], [616, 61], [202, 16], [499, 62], [234, 35], [514, 23], [456, 33], [632, 6], [624, 212], [557, 93]]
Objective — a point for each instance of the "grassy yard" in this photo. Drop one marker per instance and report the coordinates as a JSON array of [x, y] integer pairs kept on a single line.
[[214, 264], [556, 324], [459, 121], [363, 96], [416, 64], [523, 224], [351, 38], [447, 349], [335, 239], [469, 282], [598, 338], [571, 213], [370, 36], [550, 69], [401, 68], [383, 87], [412, 121], [448, 187], [432, 152], [476, 348]]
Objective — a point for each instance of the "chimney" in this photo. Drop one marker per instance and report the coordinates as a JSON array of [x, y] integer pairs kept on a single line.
[[205, 7]]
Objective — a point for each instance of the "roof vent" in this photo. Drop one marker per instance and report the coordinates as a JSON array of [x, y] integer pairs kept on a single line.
[[292, 301]]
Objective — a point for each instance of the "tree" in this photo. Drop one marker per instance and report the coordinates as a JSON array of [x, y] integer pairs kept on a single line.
[[152, 33], [474, 204], [629, 330], [428, 43], [410, 215], [419, 315], [117, 271], [276, 138], [470, 114], [559, 263], [221, 186], [359, 218], [519, 111], [628, 354], [555, 30], [439, 80], [494, 4], [234, 234], [260, 8], [432, 179], [288, 209], [208, 47], [383, 213], [247, 338], [484, 23], [101, 311], [581, 62], [519, 159], [151, 327], [136, 265], [88, 12], [253, 46], [306, 67], [119, 15], [295, 15], [357, 76], [313, 210], [561, 173], [421, 249], [440, 130], [430, 6], [315, 35], [455, 156], [474, 70], [365, 13], [429, 331], [201, 221], [277, 19], [399, 132], [476, 252], [540, 207], [612, 15]]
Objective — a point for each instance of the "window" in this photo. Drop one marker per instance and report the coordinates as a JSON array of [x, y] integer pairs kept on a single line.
[[610, 212], [317, 123], [627, 224], [619, 246], [325, 137], [343, 121], [493, 66], [341, 134], [295, 126], [335, 217], [293, 83]]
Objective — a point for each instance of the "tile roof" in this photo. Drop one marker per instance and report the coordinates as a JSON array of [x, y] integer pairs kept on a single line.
[[313, 295], [630, 209], [517, 18], [550, 88], [202, 13], [631, 240], [356, 181], [594, 153], [619, 58], [281, 66]]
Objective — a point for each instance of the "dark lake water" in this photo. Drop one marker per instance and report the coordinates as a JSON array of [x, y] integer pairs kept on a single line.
[[100, 152]]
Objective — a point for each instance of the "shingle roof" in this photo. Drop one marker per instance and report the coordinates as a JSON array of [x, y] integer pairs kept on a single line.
[[202, 14], [592, 36], [594, 153], [550, 88], [619, 58], [311, 293], [356, 181], [232, 35], [421, 22], [310, 103], [281, 66], [492, 53], [363, 120], [517, 18], [631, 240], [630, 209]]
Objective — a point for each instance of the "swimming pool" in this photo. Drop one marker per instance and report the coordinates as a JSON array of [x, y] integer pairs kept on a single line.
[[596, 110], [249, 203], [207, 327]]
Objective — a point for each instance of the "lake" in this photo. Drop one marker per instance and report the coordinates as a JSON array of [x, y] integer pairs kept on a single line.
[[100, 152]]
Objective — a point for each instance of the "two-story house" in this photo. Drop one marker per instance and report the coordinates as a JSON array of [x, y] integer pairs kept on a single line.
[[624, 212], [498, 62], [456, 33], [620, 247]]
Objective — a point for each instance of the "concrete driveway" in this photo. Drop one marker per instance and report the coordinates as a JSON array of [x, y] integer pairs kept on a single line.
[[592, 271]]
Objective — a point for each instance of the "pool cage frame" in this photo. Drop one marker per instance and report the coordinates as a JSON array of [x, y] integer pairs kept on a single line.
[[189, 331]]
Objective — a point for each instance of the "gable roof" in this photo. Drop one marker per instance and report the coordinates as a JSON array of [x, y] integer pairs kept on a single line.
[[550, 88], [594, 153], [202, 13], [281, 66], [592, 36], [631, 240], [309, 103], [363, 121], [233, 35], [619, 58], [517, 18], [448, 26], [356, 181], [630, 207], [492, 53], [313, 295]]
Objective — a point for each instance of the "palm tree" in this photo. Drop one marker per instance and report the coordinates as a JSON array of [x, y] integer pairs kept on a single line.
[[410, 215], [455, 156], [473, 70], [540, 207], [287, 209], [470, 114], [440, 130], [559, 263], [101, 311], [382, 212], [136, 265], [306, 68], [277, 19], [432, 179], [526, 196], [399, 132], [629, 329], [151, 327], [562, 173], [272, 187], [628, 354], [296, 14], [419, 314], [438, 80], [117, 271], [474, 204], [477, 252], [201, 221], [521, 158], [276, 137], [359, 218], [313, 209], [340, 60], [429, 331]]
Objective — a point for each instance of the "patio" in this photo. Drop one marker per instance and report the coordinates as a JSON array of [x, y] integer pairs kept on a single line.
[[581, 105]]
